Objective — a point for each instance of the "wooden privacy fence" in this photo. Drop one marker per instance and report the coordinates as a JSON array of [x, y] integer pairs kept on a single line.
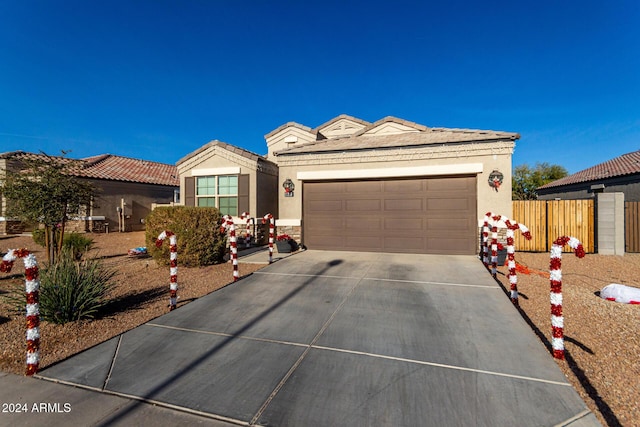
[[632, 226], [549, 219]]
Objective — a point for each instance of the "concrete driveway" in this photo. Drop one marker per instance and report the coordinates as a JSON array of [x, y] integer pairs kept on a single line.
[[342, 339]]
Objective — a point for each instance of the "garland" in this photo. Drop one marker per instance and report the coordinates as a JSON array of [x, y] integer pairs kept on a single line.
[[271, 233], [32, 286], [173, 247], [227, 223], [511, 262], [247, 238], [555, 278]]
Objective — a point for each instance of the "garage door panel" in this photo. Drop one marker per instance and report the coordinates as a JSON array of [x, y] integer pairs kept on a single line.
[[407, 244], [360, 224], [404, 186], [358, 242], [325, 205], [423, 215], [407, 204], [412, 224], [452, 204], [363, 205], [368, 187]]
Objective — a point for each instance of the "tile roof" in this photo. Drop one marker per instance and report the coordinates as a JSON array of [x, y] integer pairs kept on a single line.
[[117, 168], [627, 164], [424, 136], [110, 167]]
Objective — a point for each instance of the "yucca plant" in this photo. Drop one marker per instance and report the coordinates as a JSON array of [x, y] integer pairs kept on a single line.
[[72, 290]]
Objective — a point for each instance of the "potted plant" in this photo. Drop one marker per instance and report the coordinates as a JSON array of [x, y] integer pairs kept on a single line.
[[283, 243]]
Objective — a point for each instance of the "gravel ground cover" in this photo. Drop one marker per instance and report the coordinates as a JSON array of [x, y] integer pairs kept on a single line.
[[601, 337], [141, 294]]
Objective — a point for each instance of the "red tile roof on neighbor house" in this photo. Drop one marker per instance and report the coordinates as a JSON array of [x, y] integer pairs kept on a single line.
[[117, 168], [627, 164], [110, 167]]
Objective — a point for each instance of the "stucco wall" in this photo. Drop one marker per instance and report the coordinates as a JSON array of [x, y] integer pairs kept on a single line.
[[138, 197], [490, 156]]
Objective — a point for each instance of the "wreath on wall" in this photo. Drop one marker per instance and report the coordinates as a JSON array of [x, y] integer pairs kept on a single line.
[[495, 179]]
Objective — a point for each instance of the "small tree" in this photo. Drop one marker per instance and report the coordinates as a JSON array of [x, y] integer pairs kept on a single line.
[[527, 179], [44, 190]]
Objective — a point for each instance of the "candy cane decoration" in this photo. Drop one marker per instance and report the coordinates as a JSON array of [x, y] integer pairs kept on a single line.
[[271, 233], [245, 215], [227, 223], [173, 247], [485, 239], [555, 276], [32, 285], [511, 262], [491, 219]]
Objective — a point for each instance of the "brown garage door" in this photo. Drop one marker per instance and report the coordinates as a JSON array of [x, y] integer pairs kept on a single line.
[[426, 215]]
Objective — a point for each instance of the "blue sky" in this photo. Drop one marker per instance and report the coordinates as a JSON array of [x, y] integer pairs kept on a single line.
[[158, 79]]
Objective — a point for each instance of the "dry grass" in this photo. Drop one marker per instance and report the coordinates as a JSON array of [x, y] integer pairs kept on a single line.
[[601, 337]]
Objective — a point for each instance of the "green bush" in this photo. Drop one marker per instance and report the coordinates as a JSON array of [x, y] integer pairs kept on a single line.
[[72, 290], [197, 231], [77, 244]]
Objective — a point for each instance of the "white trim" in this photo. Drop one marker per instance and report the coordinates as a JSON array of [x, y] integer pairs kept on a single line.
[[456, 169], [288, 222], [231, 170]]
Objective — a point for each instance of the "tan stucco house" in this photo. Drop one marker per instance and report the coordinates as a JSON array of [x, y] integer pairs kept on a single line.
[[127, 190], [388, 186]]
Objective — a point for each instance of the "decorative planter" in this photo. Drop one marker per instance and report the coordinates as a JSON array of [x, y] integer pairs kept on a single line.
[[283, 246], [502, 256]]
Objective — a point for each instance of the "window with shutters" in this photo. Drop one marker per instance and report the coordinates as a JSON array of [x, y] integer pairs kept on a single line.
[[218, 191]]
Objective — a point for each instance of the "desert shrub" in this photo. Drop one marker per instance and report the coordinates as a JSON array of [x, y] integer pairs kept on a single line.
[[197, 230], [73, 290], [77, 244]]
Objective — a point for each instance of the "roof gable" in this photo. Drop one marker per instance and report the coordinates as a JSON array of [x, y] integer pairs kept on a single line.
[[627, 164], [341, 126], [392, 126]]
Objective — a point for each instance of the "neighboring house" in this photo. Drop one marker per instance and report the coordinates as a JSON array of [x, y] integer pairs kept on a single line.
[[388, 186], [127, 190], [621, 174]]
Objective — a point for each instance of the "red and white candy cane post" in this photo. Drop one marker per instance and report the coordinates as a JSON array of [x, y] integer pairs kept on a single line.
[[269, 217], [555, 277], [173, 258], [511, 262], [32, 285], [491, 219], [246, 216], [485, 239], [227, 223]]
